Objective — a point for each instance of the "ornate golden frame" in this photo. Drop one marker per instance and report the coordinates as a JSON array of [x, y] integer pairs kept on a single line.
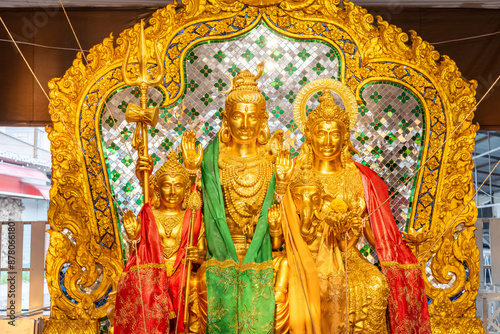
[[85, 246]]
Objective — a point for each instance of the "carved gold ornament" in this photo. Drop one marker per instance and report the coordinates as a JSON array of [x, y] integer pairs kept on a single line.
[[299, 106]]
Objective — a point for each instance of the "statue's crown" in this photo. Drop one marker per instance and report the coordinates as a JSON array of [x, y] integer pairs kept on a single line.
[[171, 167], [245, 80], [328, 110]]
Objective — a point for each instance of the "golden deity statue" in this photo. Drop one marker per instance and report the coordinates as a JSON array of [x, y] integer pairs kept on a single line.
[[338, 201], [162, 250], [239, 182]]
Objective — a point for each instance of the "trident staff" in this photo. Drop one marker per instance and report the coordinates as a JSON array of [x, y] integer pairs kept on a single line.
[[142, 115]]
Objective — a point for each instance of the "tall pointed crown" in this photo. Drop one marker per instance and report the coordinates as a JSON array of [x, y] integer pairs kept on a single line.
[[171, 167], [327, 110]]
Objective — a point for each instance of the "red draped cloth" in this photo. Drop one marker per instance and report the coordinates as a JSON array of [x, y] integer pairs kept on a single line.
[[156, 290], [407, 299]]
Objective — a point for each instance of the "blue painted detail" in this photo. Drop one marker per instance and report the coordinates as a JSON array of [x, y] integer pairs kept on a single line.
[[62, 273], [455, 297], [429, 301], [466, 271], [104, 299]]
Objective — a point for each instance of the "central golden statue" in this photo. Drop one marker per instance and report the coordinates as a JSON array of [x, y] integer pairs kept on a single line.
[[236, 284]]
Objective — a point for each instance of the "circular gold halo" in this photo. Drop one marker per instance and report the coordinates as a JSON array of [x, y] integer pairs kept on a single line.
[[347, 96]]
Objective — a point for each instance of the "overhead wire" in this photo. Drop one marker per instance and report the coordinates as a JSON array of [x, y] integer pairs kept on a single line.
[[42, 45], [458, 215], [56, 110], [126, 146]]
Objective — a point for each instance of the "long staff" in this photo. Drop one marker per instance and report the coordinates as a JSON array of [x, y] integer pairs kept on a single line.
[[194, 204], [142, 115]]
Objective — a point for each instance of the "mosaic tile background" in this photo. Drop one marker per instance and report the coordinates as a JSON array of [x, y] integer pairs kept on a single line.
[[388, 134]]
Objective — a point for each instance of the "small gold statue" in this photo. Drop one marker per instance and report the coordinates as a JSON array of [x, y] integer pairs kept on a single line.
[[161, 233]]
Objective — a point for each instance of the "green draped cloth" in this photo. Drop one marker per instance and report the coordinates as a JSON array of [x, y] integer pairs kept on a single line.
[[240, 296]]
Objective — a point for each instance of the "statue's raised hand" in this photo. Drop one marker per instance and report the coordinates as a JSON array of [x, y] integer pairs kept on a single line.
[[274, 217], [192, 159], [132, 225], [283, 170]]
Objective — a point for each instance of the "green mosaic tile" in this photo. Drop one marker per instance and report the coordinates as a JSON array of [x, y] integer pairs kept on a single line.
[[303, 54], [219, 56], [191, 57], [179, 128], [332, 54], [111, 121], [128, 188], [403, 97], [290, 68], [417, 138], [136, 92], [362, 110], [377, 151], [277, 112], [151, 103], [276, 55], [318, 68], [233, 70], [115, 175], [261, 41], [125, 133], [206, 71], [416, 111], [404, 151], [247, 55], [389, 110], [206, 99], [277, 83], [192, 85], [127, 161], [375, 96], [290, 96], [291, 126], [153, 131], [166, 144], [304, 81], [376, 124], [403, 124], [207, 128], [113, 148], [266, 97], [155, 158], [220, 84], [362, 137], [193, 114], [123, 106], [390, 138], [392, 165]]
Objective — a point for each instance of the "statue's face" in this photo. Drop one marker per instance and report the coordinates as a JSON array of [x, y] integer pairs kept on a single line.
[[172, 190], [327, 139], [244, 122], [307, 199]]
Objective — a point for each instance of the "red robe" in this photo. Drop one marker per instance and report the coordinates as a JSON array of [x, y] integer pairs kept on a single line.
[[407, 299], [159, 292]]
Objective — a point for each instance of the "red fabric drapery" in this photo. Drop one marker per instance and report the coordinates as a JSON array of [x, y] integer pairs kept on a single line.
[[407, 299]]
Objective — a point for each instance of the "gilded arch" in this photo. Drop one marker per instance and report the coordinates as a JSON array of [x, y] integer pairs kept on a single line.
[[85, 244]]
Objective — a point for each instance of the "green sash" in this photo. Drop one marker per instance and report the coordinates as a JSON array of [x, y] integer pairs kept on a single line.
[[240, 296]]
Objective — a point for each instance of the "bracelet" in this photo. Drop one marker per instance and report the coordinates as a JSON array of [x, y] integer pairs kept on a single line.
[[192, 173], [280, 188], [275, 233]]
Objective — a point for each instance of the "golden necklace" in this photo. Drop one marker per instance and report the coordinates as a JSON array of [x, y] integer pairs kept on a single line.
[[169, 222], [244, 180]]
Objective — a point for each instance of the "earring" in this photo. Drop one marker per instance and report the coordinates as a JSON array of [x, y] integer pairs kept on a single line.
[[264, 134], [345, 157], [225, 134]]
